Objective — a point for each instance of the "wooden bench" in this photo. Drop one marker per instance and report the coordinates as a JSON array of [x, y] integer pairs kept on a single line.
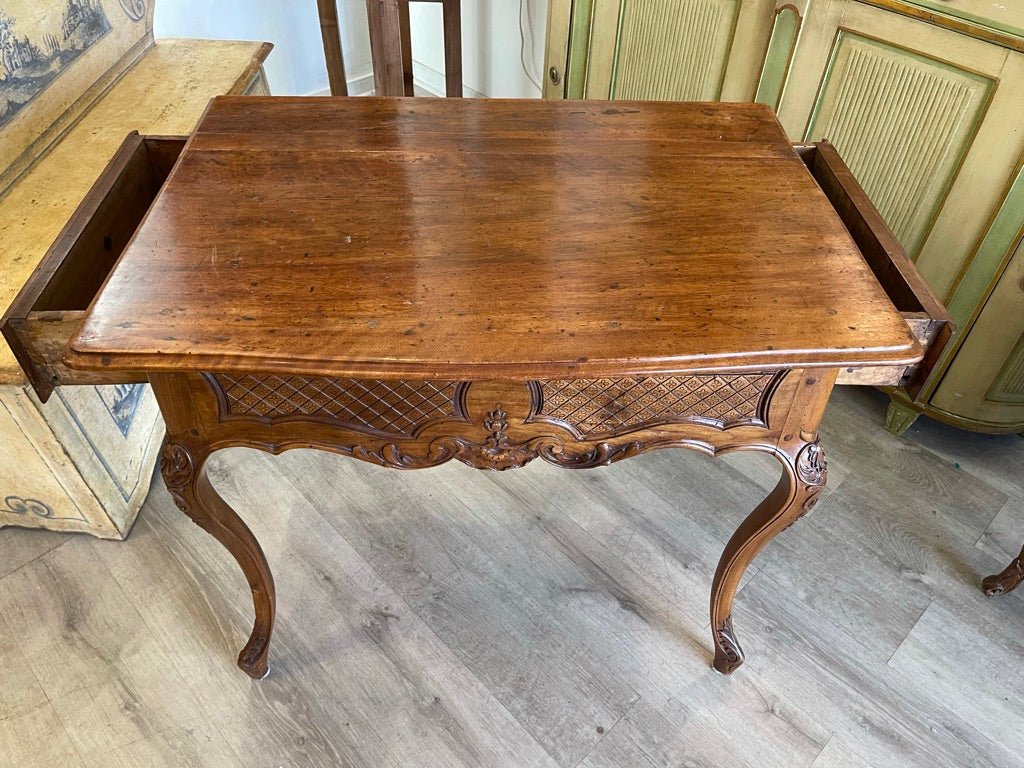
[[76, 76]]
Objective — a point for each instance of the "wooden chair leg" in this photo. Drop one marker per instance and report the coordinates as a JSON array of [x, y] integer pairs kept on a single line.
[[330, 31], [452, 47], [385, 23], [406, 43], [391, 46]]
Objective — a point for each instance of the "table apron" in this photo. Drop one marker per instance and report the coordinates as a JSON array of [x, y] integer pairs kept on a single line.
[[495, 425]]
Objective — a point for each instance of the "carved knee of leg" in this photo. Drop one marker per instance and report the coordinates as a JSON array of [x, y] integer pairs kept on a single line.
[[811, 469], [180, 466]]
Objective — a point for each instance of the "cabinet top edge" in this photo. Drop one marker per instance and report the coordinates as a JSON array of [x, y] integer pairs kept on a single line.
[[983, 28]]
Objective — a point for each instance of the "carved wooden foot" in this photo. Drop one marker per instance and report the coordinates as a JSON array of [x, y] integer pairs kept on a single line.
[[184, 471], [803, 478], [899, 418], [1008, 580]]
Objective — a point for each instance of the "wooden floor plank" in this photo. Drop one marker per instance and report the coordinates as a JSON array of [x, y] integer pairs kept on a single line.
[[20, 691], [420, 548], [989, 700], [892, 722], [36, 737], [1004, 536], [196, 745], [194, 599], [629, 625], [101, 670], [474, 725], [339, 634], [19, 546], [838, 754]]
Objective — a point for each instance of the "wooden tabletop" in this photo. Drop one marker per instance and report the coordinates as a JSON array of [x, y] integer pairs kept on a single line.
[[470, 238]]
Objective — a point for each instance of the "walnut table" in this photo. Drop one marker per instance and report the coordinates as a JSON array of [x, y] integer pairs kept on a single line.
[[408, 282]]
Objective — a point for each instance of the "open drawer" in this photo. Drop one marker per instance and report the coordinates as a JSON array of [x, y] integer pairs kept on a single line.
[[927, 317], [52, 304]]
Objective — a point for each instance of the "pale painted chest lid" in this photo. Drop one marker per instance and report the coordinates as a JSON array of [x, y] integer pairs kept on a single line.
[[56, 58]]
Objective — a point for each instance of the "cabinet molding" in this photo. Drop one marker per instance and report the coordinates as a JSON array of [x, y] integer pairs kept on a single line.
[[781, 46], [983, 29]]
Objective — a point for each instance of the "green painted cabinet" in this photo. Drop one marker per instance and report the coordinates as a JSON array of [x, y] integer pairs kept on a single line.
[[678, 50], [926, 107], [986, 382]]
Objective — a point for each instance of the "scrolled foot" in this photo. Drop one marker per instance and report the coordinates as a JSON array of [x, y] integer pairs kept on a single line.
[[253, 658], [1004, 582], [728, 654]]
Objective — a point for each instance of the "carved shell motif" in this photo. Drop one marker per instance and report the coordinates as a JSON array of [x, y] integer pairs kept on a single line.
[[811, 466]]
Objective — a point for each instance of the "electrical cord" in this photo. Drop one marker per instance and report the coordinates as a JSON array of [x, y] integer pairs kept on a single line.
[[522, 43]]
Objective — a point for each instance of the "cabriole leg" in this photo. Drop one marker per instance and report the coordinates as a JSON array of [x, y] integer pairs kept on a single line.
[[797, 491], [183, 467]]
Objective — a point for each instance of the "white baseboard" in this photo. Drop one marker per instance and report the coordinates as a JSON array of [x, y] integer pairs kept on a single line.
[[426, 80], [432, 82], [361, 85]]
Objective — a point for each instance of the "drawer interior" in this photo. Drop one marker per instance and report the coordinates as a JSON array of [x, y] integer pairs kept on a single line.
[[896, 273], [51, 305]]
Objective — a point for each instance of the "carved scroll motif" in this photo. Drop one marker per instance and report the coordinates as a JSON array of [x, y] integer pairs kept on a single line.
[[499, 457], [177, 469], [728, 647], [133, 9], [812, 470]]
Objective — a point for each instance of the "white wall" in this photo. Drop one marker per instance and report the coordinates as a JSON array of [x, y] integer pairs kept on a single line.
[[490, 46], [490, 41]]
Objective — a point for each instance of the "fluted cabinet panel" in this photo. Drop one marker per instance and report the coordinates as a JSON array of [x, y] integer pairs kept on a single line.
[[902, 121], [674, 49]]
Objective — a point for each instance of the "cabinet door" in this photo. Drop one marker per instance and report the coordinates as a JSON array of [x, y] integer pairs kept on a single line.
[[929, 121], [675, 50], [986, 380]]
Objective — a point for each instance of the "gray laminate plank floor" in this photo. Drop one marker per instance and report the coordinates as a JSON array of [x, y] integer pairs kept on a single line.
[[538, 618]]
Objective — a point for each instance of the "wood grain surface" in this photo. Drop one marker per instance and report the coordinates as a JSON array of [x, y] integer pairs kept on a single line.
[[515, 239]]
